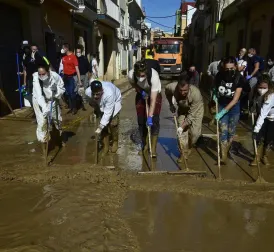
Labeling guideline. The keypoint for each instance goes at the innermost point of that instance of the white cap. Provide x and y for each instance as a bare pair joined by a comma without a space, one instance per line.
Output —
25,42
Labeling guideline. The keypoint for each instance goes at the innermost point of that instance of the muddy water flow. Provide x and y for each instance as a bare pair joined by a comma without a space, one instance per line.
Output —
176,222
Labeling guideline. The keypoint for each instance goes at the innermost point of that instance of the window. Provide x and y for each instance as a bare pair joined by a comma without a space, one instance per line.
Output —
122,18
227,49
255,40
240,40
168,48
271,41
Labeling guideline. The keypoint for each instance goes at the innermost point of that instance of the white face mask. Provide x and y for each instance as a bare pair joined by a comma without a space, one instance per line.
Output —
141,79
250,55
262,91
78,54
43,78
63,51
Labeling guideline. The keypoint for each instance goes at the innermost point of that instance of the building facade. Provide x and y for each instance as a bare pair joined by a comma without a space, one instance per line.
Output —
249,24
111,29
46,23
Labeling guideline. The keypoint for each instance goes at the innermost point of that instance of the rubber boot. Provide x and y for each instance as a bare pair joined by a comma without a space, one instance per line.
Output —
154,141
144,146
264,159
260,152
105,145
70,105
74,108
115,138
225,146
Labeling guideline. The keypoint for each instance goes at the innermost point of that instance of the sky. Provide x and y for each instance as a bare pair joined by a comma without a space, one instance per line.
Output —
162,8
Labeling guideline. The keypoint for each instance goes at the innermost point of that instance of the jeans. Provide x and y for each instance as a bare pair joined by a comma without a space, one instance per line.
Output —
228,122
70,91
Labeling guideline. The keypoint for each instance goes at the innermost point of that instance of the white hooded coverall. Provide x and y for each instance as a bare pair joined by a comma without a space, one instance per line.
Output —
53,87
110,103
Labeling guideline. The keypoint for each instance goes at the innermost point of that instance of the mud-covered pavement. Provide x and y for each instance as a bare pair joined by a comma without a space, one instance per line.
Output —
74,205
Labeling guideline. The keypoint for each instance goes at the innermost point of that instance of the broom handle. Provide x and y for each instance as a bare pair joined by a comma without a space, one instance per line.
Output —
148,131
218,142
180,142
256,149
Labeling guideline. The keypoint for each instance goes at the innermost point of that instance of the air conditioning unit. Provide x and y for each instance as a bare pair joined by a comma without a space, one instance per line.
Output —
126,33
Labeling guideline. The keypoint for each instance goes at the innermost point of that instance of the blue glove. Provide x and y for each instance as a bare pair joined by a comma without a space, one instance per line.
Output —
149,121
221,114
248,77
144,94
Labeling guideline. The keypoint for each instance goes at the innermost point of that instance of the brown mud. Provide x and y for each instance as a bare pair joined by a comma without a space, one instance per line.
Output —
75,205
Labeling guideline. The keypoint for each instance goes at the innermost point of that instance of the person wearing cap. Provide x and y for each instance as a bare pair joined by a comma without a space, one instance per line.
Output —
147,84
106,99
48,88
32,59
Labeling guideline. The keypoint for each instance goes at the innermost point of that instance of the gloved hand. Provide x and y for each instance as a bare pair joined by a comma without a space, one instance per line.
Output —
248,77
149,121
46,113
214,98
255,135
144,95
180,131
98,131
172,108
220,114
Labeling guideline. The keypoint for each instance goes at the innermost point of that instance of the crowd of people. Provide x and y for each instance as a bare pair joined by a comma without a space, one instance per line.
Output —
240,86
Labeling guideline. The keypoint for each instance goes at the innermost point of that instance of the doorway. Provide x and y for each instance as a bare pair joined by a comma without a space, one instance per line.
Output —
11,38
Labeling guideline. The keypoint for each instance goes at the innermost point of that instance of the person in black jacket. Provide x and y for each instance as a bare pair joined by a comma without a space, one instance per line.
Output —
151,63
84,68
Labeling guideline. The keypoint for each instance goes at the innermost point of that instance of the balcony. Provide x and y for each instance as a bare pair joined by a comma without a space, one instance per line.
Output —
109,13
77,4
123,32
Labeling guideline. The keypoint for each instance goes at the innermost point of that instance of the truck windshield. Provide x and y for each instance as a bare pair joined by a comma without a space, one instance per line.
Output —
168,48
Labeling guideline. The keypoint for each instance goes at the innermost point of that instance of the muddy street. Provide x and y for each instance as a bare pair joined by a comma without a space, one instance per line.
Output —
75,205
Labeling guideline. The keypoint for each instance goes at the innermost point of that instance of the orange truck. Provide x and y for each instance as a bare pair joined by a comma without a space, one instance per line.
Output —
169,52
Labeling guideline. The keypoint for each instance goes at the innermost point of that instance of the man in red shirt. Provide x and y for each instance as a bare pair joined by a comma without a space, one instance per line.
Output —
71,70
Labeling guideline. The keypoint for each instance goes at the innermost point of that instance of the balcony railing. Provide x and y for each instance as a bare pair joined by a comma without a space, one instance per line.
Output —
79,4
91,4
112,10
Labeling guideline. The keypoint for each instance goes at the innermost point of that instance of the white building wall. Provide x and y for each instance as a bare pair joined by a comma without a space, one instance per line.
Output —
190,11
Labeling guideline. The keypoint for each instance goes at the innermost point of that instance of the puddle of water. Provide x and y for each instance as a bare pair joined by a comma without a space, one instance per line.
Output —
71,216
177,222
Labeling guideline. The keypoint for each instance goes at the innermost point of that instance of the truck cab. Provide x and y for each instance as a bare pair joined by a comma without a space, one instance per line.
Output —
168,52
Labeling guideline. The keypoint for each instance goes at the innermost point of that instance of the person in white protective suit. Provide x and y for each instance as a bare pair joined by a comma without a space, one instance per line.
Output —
106,100
48,88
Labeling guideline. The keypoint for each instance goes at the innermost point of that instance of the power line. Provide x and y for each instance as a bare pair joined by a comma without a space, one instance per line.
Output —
163,17
160,24
172,15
